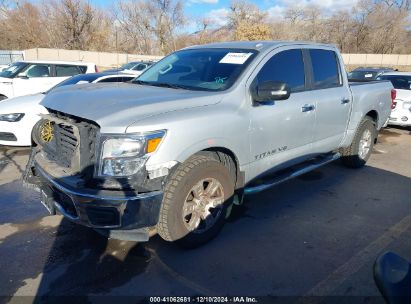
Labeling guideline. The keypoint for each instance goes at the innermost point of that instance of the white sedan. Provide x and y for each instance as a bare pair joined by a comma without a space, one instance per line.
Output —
19,115
401,112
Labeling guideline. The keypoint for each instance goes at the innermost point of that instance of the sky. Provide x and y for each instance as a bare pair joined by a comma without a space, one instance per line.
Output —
217,10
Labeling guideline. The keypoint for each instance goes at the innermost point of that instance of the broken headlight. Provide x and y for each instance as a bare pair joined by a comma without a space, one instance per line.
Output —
124,155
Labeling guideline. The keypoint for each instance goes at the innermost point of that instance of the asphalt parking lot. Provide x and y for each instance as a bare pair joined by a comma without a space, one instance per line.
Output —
317,235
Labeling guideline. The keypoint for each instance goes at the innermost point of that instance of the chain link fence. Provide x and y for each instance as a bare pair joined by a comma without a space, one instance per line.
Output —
7,57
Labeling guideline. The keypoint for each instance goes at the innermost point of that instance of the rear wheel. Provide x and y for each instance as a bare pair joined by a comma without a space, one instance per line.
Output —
358,153
196,201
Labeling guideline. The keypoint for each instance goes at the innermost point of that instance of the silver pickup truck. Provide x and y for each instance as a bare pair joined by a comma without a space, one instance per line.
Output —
180,145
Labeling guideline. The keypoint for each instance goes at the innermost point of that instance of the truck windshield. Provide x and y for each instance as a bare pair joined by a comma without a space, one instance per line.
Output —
13,69
399,82
198,69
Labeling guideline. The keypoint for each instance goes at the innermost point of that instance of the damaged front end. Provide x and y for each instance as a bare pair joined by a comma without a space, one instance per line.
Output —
81,178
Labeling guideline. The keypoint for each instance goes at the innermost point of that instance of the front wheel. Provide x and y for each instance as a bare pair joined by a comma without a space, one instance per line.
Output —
358,153
195,203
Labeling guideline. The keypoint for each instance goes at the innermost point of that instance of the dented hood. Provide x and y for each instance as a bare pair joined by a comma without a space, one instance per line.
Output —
115,106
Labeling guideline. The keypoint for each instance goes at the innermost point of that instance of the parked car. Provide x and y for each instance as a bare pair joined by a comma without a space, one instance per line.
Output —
366,74
182,143
401,110
18,115
31,77
135,67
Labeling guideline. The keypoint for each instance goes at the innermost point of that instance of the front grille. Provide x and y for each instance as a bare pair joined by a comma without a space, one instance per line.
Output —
66,144
7,136
73,144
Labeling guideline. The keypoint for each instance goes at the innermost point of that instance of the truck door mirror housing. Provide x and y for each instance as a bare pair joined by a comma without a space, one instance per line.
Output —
22,76
271,90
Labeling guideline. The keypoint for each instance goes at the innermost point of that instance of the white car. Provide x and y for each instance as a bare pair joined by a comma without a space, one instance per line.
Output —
30,77
19,115
136,67
401,111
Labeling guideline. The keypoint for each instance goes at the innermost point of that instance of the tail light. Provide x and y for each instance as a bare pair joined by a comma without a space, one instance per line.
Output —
97,71
393,96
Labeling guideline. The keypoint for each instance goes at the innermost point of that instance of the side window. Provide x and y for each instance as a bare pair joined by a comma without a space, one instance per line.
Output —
286,66
66,70
38,70
140,67
325,69
111,79
82,68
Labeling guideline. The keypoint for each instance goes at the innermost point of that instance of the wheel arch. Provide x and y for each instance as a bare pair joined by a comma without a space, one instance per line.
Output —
374,115
229,159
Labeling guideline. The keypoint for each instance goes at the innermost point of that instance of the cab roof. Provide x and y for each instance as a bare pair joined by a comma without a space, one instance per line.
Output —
257,45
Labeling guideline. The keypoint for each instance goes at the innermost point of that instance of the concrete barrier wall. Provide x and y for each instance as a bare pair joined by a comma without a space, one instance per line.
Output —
103,59
377,59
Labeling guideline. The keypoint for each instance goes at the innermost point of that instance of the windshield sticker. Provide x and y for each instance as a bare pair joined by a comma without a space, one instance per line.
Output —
220,80
235,58
368,75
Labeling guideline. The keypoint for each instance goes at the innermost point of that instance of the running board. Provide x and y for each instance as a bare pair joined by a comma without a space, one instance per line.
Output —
311,165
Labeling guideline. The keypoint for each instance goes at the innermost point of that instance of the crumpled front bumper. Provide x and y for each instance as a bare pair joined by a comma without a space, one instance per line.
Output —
111,210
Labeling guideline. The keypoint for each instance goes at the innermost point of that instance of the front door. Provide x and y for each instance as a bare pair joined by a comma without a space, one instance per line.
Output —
281,132
36,78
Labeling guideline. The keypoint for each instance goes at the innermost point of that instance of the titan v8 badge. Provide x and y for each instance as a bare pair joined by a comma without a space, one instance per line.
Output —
269,153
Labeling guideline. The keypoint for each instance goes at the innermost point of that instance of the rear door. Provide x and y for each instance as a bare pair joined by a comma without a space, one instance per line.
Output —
64,71
332,97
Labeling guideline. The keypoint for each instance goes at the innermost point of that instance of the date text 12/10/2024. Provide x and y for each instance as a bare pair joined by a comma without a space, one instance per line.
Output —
203,299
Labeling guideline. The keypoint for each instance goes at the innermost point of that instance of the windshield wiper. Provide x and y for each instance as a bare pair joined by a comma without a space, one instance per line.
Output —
141,82
163,84
170,85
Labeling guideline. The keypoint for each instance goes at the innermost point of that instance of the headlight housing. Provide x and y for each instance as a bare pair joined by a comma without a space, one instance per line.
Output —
13,117
124,155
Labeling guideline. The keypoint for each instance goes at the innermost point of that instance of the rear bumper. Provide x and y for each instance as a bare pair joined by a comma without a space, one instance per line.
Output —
401,115
109,210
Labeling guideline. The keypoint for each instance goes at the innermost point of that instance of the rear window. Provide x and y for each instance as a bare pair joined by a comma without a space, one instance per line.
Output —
140,67
362,75
400,82
117,79
325,69
66,70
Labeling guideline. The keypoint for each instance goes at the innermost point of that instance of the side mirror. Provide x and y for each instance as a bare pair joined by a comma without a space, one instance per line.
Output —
271,90
22,76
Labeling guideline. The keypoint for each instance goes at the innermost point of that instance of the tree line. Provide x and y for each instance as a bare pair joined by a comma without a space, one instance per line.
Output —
157,27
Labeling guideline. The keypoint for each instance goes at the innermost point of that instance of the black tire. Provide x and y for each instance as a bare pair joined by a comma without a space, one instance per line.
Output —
2,97
171,225
350,155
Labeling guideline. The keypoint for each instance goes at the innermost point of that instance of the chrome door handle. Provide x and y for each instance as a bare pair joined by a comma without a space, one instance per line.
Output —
307,108
345,100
